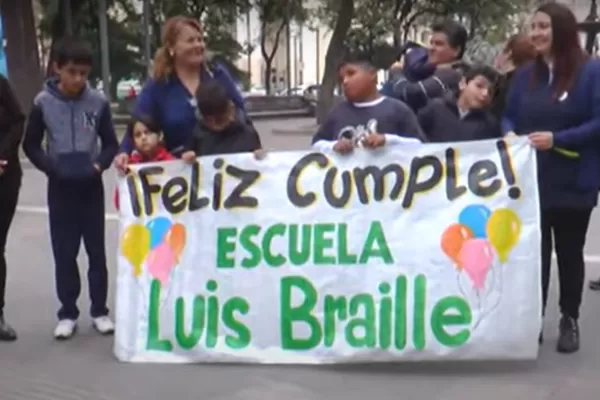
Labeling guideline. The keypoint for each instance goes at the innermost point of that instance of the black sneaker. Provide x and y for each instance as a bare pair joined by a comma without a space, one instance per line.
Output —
568,339
7,333
595,284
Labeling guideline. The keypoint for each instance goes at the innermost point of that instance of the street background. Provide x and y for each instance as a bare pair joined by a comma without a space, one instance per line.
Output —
37,367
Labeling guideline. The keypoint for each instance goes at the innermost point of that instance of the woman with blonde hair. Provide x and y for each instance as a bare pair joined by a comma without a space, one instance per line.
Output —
179,68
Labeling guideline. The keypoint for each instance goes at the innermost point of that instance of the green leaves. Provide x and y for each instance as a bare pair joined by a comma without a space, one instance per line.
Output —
127,29
376,25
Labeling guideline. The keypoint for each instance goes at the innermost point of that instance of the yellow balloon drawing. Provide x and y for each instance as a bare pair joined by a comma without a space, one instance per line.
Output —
503,230
135,244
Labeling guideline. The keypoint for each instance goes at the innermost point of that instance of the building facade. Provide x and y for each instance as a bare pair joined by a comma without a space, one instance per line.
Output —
307,48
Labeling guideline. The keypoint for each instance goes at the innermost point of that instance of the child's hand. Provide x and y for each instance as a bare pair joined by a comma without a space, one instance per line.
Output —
189,157
343,146
260,154
373,141
3,164
121,161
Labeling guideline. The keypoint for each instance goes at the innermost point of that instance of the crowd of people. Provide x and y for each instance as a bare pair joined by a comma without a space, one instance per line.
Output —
543,86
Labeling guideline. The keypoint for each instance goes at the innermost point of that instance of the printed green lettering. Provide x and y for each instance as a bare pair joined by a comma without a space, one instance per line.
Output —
364,320
302,313
442,316
320,244
154,342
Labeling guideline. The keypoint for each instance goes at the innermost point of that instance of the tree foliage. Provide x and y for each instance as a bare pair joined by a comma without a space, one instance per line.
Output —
379,30
126,29
125,43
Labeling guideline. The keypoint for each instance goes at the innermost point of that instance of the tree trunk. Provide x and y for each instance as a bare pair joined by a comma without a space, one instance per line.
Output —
268,57
335,53
268,72
22,58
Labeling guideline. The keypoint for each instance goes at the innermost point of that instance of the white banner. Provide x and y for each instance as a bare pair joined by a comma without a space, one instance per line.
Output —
422,253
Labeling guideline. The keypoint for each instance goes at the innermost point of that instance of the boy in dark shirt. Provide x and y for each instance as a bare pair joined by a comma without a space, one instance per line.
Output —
74,118
466,116
366,118
222,128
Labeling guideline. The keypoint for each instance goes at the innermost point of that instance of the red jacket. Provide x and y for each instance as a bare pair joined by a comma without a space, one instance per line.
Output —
136,158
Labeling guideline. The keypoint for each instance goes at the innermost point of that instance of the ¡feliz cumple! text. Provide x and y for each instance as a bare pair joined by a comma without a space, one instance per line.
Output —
370,183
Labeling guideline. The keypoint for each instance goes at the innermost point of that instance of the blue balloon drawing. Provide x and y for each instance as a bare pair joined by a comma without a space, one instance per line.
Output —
158,228
475,218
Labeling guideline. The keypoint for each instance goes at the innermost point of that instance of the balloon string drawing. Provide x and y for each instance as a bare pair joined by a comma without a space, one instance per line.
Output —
157,246
479,246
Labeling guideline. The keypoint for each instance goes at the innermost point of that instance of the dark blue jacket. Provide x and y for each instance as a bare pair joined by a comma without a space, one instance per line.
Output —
173,108
565,181
416,64
418,93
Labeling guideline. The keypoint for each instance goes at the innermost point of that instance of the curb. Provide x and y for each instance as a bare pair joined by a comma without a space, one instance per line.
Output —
307,130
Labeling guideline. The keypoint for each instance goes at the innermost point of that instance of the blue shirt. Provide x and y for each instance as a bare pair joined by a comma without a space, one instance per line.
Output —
574,119
171,105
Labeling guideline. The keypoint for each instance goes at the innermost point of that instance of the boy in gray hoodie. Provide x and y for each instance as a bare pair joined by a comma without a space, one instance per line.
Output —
74,118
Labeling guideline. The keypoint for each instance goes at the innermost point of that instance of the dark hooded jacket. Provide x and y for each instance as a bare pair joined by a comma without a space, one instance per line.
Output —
239,137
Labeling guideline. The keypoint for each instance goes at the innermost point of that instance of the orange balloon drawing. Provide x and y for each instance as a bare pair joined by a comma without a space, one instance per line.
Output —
175,239
452,242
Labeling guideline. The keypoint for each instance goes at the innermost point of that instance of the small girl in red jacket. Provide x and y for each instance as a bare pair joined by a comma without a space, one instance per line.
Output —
148,144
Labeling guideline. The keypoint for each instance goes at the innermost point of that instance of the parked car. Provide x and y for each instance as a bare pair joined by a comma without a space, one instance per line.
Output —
311,93
255,91
295,91
126,89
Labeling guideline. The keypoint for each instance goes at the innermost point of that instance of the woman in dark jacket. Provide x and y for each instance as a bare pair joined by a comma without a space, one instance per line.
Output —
12,120
555,101
517,52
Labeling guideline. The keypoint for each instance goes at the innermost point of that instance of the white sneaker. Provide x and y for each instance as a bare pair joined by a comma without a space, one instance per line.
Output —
104,325
65,329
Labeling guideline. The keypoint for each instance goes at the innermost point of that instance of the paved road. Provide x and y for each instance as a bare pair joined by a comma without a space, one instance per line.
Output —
38,368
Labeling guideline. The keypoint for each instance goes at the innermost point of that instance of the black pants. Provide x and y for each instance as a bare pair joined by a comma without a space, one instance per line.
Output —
569,228
9,196
76,212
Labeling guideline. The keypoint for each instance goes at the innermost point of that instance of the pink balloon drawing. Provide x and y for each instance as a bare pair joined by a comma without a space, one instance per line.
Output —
476,257
160,261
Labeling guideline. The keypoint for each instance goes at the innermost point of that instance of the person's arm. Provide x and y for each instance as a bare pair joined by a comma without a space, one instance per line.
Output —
108,138
11,135
254,137
146,105
227,81
417,94
325,138
194,143
589,131
512,102
425,118
32,142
